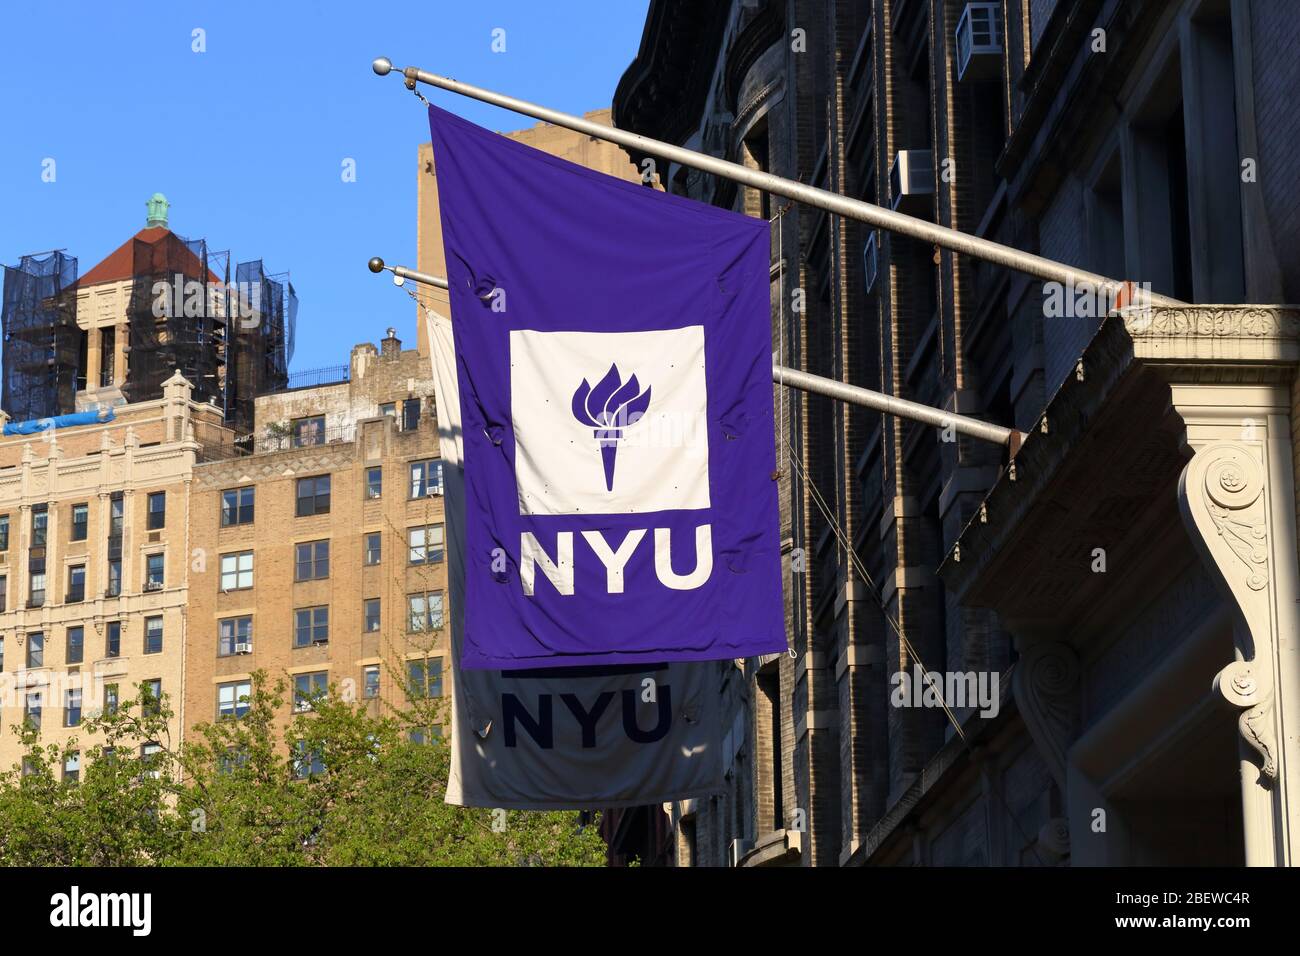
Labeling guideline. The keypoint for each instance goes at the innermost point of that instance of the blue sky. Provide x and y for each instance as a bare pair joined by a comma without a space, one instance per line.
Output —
247,139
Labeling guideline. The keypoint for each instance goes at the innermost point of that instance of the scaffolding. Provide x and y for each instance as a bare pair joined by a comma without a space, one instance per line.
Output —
44,357
177,318
262,334
231,341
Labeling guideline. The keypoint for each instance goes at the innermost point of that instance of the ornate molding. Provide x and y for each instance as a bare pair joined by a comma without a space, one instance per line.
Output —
1213,321
1240,688
1221,496
1046,685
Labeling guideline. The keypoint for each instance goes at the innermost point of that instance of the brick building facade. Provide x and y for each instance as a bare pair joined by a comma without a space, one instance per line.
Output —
1141,140
324,550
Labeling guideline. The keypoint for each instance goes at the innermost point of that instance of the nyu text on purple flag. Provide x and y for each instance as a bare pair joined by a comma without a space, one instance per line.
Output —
614,364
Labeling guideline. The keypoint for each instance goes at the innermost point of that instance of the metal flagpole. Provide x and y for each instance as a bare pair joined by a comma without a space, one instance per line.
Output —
817,385
1012,258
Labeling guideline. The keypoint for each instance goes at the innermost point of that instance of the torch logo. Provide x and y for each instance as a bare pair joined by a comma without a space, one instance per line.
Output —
608,409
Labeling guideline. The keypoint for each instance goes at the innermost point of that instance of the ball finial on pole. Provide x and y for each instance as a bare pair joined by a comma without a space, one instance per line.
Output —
376,264
382,66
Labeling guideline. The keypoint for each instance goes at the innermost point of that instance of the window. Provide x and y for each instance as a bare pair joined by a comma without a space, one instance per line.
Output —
153,635
235,758
151,697
110,698
232,631
389,409
374,482
36,649
308,688
426,735
426,611
107,355
410,414
76,644
374,548
114,578
157,511
36,582
151,756
306,763
76,583
72,766
233,699
4,532
80,522
311,561
4,592
311,625
32,709
113,639
40,524
313,496
426,478
2,653
72,708
309,431
116,511
153,572
236,506
372,614
370,682
426,544
424,677
237,571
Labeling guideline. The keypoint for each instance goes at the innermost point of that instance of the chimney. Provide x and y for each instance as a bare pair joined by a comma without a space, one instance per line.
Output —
391,347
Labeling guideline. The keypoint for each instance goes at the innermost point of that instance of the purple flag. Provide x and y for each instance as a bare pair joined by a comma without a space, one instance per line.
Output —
614,363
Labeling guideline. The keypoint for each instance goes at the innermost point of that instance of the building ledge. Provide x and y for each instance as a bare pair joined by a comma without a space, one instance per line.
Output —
777,848
1104,452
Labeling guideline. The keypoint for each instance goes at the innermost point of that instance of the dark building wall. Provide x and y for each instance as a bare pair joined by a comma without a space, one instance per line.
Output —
1055,145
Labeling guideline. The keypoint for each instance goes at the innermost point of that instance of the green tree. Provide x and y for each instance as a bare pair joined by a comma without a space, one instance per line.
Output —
333,785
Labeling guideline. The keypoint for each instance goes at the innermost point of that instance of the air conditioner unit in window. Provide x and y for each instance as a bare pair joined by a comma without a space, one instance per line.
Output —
911,178
870,260
737,851
320,640
244,647
153,586
979,42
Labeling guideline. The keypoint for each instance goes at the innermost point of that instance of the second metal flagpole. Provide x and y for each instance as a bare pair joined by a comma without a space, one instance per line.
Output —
817,385
976,246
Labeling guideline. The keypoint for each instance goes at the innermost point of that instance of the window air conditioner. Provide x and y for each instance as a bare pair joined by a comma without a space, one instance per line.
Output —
911,177
244,647
979,42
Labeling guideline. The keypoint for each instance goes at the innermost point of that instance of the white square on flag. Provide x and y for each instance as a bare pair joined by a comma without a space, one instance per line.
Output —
565,465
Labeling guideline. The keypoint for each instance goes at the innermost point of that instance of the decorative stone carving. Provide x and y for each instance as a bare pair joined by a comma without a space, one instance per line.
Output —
1213,321
1046,684
1221,495
1239,687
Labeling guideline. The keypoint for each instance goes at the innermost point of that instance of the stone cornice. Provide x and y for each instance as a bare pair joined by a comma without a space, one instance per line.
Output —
1242,344
662,92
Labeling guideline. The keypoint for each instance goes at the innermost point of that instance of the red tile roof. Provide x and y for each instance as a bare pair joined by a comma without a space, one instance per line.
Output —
168,254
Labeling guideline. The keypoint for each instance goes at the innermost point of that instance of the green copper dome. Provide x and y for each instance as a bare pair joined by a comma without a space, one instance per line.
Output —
157,205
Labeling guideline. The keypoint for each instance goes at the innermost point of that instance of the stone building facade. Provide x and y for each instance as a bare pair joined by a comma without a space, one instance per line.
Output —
325,553
1124,583
94,565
